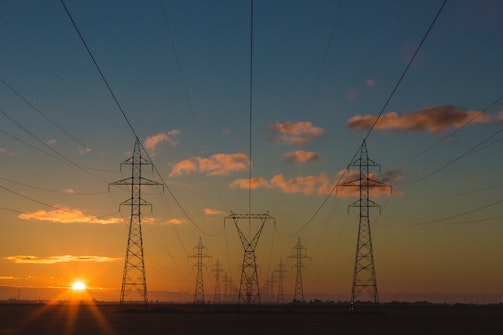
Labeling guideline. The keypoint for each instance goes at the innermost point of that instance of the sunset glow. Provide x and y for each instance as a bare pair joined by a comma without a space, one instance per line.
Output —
79,286
226,128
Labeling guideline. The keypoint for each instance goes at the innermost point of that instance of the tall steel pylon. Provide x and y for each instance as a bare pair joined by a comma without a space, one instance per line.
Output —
299,255
134,284
200,254
249,292
364,275
280,298
217,297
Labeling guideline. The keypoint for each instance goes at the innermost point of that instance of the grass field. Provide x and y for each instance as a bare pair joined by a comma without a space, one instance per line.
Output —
85,318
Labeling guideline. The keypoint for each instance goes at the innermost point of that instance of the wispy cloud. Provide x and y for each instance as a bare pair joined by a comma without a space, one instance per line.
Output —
245,183
307,185
433,119
6,152
211,212
301,156
67,215
175,221
152,142
8,278
294,133
215,165
24,259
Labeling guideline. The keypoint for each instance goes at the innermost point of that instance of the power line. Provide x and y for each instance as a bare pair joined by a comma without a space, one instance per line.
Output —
377,119
406,68
250,109
109,88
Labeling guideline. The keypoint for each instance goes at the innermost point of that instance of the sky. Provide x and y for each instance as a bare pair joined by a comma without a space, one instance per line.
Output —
322,74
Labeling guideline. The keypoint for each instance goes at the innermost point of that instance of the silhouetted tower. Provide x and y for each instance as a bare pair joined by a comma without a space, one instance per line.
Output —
134,285
364,276
217,297
280,299
200,254
299,255
249,292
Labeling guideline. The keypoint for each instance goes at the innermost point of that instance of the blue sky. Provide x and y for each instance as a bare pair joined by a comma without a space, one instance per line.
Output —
316,66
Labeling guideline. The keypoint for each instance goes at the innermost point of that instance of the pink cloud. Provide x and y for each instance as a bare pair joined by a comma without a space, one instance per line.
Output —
67,215
152,142
245,183
500,116
211,211
307,185
301,156
370,82
295,133
215,165
433,119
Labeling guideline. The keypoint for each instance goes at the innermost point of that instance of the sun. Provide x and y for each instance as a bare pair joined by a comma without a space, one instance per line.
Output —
78,286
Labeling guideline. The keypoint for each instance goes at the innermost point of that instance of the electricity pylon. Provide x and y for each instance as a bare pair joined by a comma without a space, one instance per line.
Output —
249,292
217,297
364,276
200,254
134,284
299,255
281,293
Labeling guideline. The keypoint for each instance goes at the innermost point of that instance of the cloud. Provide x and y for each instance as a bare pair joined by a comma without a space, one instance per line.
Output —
21,259
7,152
307,185
370,82
301,156
152,142
174,221
85,150
7,278
211,211
433,119
215,165
51,142
294,133
500,116
245,183
67,215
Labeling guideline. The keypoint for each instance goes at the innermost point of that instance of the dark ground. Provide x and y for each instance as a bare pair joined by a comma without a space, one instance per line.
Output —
90,319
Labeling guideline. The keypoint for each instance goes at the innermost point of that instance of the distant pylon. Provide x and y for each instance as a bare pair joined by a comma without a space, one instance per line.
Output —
364,276
134,284
249,292
217,297
299,255
280,299
200,254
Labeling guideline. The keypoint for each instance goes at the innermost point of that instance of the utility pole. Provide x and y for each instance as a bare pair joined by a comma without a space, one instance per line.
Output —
281,293
364,276
134,284
217,298
249,292
299,255
200,254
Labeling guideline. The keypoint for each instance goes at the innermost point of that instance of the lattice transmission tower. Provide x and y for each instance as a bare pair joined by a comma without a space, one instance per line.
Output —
249,292
200,255
134,285
280,298
364,275
217,296
299,255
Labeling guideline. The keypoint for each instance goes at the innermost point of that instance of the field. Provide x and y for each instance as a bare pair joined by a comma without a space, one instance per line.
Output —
96,319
